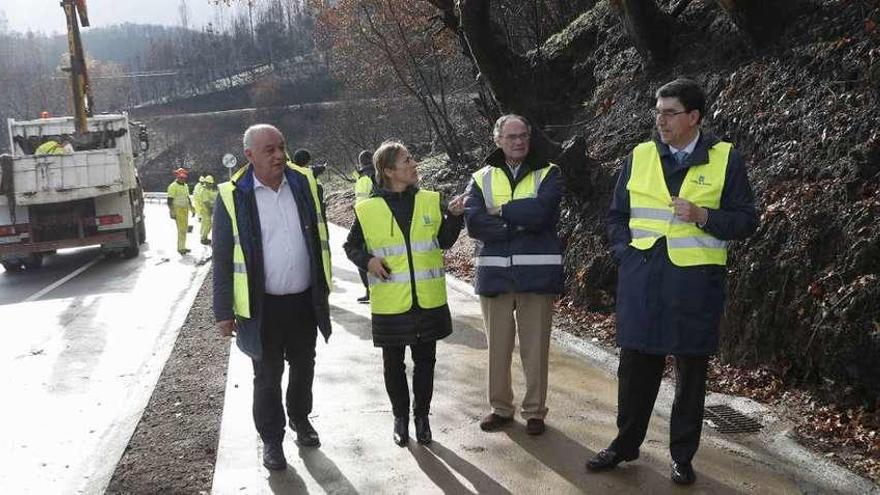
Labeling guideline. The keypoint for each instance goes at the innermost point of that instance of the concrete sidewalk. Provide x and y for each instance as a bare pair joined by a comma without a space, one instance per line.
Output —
353,416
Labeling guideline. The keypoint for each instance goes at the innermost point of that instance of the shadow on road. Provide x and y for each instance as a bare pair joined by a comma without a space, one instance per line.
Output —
325,472
353,323
567,458
467,331
287,481
438,463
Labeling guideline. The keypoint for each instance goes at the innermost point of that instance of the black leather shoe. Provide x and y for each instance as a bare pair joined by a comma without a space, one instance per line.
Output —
423,430
273,456
306,436
401,431
535,426
364,299
682,473
494,422
607,459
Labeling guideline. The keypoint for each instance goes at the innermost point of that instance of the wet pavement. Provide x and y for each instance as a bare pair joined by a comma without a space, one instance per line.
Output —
353,416
80,361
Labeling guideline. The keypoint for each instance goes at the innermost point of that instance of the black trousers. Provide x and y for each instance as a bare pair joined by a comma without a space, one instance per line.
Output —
639,377
363,274
290,332
424,357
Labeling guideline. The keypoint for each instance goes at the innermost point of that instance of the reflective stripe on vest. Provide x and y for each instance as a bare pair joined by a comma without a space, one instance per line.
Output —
394,294
495,185
240,289
519,260
651,213
362,188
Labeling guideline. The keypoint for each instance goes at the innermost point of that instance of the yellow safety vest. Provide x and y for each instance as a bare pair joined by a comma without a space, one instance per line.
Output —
652,215
50,147
179,193
385,239
495,185
205,198
240,289
363,188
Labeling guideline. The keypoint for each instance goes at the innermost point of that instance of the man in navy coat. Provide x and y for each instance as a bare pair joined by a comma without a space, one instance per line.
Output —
678,201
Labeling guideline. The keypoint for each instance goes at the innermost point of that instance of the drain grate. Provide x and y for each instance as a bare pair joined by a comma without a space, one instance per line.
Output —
725,419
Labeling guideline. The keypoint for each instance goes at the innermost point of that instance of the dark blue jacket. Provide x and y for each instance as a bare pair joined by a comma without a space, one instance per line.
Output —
249,329
663,308
525,226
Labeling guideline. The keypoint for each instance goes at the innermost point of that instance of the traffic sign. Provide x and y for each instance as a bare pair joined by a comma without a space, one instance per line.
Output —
229,160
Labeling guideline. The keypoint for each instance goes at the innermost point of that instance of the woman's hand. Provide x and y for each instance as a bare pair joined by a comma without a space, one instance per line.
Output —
456,206
378,268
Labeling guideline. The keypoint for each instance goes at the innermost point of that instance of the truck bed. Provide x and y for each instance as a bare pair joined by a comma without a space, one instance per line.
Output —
57,178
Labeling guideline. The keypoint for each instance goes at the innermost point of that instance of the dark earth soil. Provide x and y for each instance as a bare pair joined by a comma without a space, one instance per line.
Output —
174,448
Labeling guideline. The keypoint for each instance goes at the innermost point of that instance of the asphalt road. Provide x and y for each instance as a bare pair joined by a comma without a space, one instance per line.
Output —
84,340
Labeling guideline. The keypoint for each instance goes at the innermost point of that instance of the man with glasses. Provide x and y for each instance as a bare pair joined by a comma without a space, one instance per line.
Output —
512,209
679,200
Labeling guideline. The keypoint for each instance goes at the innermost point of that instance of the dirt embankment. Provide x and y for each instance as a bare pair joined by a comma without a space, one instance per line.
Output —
804,291
174,448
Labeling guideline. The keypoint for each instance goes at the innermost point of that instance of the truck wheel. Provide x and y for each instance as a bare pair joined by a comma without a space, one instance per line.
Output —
142,232
11,266
134,244
34,261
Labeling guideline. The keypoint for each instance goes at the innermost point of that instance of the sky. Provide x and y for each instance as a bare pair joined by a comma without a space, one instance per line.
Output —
47,16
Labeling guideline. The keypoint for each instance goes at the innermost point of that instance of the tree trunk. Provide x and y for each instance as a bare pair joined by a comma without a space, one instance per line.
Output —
649,28
761,20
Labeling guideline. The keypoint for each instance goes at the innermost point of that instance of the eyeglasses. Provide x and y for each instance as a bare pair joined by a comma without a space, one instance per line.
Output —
666,114
516,137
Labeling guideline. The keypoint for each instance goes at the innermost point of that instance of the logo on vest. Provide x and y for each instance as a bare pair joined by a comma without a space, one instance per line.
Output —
701,181
427,219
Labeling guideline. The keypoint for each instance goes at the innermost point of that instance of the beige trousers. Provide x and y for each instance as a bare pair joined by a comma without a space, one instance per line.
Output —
530,316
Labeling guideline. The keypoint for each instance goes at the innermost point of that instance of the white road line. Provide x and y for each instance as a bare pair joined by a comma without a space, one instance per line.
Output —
58,283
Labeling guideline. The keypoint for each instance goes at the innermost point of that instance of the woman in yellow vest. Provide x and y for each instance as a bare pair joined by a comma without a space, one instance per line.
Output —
398,237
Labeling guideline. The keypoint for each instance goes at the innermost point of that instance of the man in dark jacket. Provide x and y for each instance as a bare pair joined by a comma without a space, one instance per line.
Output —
512,209
271,282
678,201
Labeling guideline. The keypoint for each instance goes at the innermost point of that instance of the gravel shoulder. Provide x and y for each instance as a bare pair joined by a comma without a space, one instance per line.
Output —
174,448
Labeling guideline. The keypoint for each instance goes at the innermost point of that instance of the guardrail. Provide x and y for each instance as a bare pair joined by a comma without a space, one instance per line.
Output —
155,197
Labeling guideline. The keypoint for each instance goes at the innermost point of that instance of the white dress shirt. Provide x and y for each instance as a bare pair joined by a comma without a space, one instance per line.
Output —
286,262
687,149
514,169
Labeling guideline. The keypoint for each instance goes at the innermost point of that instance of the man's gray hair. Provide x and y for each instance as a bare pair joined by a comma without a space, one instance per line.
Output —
248,138
499,124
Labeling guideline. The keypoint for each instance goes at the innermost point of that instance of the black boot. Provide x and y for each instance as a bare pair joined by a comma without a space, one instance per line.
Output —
423,430
273,456
401,431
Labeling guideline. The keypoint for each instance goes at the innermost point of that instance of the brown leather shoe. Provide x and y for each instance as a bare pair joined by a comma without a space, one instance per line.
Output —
494,422
535,426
